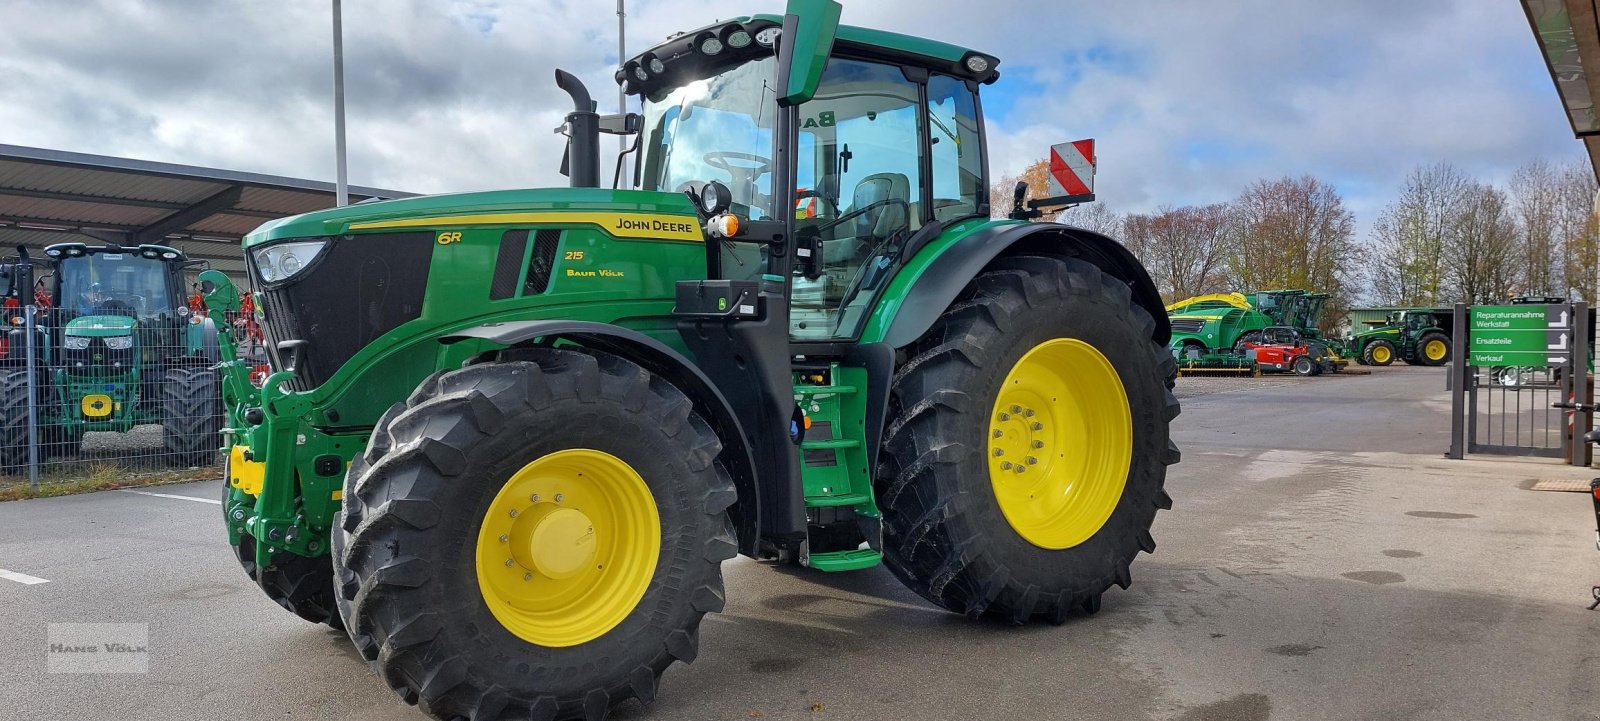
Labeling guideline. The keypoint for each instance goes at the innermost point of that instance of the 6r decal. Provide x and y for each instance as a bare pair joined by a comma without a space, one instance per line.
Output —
449,237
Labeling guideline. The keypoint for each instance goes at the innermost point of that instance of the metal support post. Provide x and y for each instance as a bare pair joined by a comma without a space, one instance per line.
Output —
31,351
1578,372
1458,383
341,185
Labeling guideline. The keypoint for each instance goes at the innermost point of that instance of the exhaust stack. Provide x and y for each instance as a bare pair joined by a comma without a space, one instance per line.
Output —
582,162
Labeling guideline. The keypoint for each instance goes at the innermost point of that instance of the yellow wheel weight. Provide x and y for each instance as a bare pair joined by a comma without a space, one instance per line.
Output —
568,547
1380,354
1060,443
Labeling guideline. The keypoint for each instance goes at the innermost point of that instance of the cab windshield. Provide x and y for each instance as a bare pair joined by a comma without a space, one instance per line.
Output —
114,284
719,128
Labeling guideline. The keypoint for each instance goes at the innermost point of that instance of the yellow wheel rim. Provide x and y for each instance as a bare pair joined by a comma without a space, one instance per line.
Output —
1436,349
568,547
1380,354
1060,443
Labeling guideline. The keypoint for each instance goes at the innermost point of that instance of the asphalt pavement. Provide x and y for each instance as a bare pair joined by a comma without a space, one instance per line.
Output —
1322,562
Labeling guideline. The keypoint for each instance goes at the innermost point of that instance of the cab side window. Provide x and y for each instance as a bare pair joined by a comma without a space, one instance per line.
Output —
957,150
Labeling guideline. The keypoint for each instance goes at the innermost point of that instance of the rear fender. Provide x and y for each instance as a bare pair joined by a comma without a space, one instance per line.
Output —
934,277
662,360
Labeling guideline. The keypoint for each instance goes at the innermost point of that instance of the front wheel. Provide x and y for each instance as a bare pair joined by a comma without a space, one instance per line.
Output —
534,538
1028,451
1304,366
1378,353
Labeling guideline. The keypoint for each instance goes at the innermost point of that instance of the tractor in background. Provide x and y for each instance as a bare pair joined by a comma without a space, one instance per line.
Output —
120,348
1418,336
510,437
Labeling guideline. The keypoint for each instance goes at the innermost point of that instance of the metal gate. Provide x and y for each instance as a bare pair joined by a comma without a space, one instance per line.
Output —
1513,386
1510,411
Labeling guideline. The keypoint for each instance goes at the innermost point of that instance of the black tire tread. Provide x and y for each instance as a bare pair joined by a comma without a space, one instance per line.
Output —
415,450
920,545
191,414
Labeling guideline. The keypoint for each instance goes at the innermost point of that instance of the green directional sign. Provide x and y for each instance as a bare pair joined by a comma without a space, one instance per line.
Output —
1519,335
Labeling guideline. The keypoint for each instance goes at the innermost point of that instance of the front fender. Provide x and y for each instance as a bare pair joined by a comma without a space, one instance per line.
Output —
662,360
933,277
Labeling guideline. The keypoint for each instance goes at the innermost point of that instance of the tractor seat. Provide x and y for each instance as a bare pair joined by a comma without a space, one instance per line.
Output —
867,229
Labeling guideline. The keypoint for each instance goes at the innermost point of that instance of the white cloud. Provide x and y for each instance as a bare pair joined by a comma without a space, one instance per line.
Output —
1189,100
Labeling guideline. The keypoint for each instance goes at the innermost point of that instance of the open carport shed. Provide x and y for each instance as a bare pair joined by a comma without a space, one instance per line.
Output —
53,196
1568,32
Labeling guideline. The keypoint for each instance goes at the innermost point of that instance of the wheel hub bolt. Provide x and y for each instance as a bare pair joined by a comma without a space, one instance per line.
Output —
1006,465
1020,469
1032,461
558,498
514,513
510,562
1028,413
998,452
1038,444
1038,426
527,577
534,498
1016,408
998,433
1005,416
504,537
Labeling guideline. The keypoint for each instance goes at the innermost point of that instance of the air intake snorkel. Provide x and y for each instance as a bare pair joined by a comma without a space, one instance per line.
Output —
581,164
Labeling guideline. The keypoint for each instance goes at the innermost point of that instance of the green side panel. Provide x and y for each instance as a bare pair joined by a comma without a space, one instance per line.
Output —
811,45
100,326
893,297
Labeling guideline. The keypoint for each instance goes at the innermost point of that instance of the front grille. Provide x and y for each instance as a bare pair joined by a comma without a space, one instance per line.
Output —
360,288
1187,325
98,359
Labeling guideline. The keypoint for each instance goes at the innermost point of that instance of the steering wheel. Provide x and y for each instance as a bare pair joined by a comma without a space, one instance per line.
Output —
833,205
113,306
719,159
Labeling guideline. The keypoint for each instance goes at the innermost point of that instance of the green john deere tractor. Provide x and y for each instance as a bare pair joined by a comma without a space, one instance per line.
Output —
510,437
120,348
1418,336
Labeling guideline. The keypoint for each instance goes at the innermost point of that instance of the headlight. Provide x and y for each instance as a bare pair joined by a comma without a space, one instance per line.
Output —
284,260
76,342
119,342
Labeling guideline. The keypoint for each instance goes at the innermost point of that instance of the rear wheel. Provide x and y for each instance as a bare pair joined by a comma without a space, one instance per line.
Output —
1029,445
191,415
1433,349
536,538
1378,353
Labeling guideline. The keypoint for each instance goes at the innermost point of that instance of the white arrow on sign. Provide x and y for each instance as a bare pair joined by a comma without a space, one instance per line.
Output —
1560,324
1558,346
1557,360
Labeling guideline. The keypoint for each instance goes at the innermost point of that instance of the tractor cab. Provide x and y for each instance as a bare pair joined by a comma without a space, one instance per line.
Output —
888,144
118,306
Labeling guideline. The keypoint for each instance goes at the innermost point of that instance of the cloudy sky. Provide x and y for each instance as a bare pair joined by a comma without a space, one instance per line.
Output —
1189,100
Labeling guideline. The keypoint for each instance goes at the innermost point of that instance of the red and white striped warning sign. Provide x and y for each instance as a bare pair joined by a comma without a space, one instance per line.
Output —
1072,168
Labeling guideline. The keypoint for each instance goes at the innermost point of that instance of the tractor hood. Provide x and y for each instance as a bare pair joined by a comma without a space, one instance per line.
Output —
469,209
101,326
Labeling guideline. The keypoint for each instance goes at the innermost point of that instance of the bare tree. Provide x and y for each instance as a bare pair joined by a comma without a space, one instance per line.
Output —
1096,216
1577,231
1294,233
1536,192
1410,235
1480,243
1184,249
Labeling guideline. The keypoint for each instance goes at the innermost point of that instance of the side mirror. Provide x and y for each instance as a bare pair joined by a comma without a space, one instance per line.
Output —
1019,193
